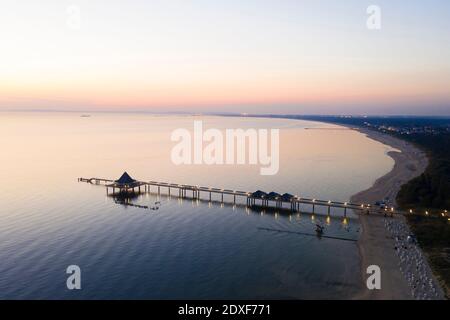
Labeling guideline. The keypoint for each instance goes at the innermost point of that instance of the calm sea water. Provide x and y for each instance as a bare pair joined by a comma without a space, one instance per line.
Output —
186,249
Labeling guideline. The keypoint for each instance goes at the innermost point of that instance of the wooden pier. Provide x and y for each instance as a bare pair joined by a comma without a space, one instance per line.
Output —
258,198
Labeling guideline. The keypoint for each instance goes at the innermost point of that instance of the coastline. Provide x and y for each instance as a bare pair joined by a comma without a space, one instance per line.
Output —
376,244
380,242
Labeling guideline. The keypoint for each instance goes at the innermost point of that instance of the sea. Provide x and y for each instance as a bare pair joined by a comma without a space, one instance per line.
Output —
166,247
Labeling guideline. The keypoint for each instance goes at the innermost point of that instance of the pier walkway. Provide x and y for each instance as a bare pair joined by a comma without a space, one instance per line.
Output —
258,198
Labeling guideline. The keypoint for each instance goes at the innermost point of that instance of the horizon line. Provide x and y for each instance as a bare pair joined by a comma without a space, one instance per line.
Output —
219,113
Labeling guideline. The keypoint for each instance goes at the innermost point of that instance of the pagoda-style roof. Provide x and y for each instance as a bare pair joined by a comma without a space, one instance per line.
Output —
125,182
259,194
273,196
287,197
125,179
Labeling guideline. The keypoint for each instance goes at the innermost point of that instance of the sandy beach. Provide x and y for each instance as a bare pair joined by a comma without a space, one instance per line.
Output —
376,244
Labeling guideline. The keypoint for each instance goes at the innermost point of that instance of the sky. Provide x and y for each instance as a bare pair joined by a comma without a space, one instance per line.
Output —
256,56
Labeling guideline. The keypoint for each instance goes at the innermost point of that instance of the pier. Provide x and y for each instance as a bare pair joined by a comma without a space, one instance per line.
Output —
258,198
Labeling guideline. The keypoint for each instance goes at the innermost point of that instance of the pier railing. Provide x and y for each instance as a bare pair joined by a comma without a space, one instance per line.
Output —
196,192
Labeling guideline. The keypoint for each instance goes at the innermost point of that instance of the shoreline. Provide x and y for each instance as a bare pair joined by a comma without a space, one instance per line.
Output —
376,244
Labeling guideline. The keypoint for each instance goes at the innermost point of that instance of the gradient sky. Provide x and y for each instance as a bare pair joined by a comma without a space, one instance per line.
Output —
279,56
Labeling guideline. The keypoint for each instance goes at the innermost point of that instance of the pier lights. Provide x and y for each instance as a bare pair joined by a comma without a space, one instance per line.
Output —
426,212
410,211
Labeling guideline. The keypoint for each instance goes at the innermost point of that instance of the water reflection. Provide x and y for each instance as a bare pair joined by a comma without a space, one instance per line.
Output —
328,223
183,250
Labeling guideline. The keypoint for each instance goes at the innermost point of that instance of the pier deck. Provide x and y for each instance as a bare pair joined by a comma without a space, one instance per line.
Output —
195,192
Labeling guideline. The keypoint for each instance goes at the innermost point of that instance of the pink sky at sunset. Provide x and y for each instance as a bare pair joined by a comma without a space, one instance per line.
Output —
291,57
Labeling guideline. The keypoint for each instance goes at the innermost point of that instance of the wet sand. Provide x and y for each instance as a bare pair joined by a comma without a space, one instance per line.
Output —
376,244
